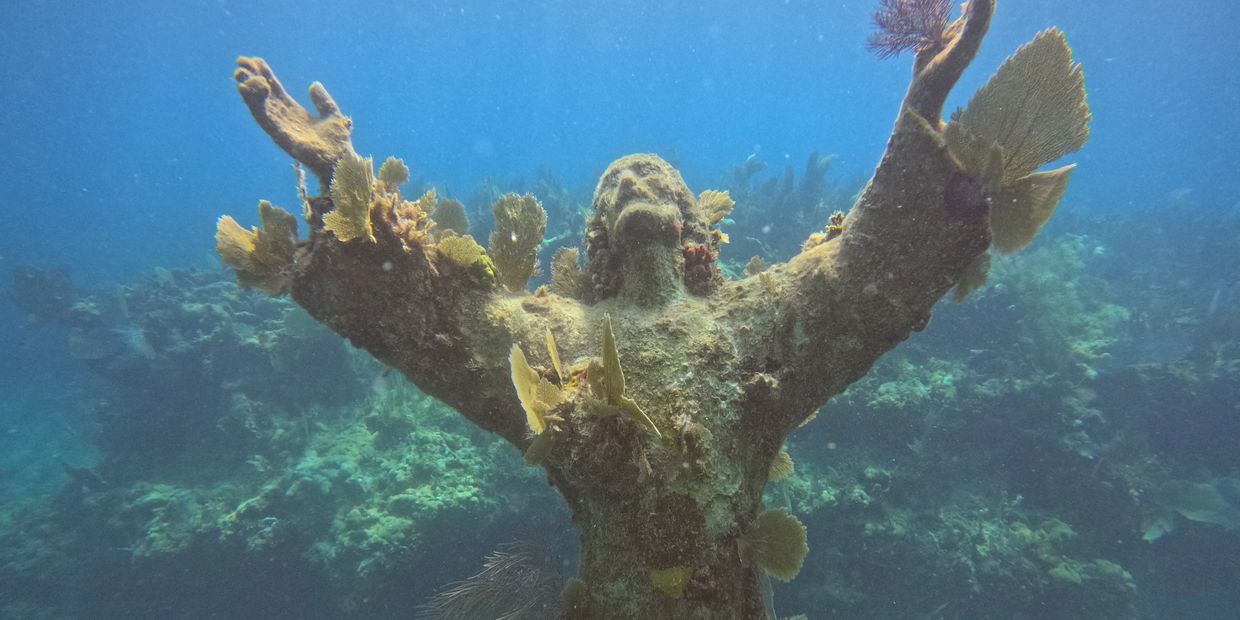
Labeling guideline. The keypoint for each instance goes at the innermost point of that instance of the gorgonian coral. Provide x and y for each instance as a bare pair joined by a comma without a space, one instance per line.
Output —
905,25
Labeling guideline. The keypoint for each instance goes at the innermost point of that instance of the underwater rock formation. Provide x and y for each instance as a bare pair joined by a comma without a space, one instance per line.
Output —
664,394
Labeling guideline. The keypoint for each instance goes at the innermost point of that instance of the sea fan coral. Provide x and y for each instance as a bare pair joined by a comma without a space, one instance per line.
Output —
450,217
775,541
261,257
520,223
909,25
351,191
393,173
567,278
1031,112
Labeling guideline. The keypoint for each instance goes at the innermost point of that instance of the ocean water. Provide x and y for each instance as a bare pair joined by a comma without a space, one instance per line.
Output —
1063,444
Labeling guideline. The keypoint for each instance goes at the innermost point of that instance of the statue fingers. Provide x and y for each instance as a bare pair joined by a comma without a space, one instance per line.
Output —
323,101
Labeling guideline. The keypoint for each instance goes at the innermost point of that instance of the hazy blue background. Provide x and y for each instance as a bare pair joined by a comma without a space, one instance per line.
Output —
124,137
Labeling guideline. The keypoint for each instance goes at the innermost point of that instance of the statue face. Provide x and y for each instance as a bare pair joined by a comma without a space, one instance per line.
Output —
643,202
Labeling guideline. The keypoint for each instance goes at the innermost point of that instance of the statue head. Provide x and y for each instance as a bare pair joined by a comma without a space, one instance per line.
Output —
645,223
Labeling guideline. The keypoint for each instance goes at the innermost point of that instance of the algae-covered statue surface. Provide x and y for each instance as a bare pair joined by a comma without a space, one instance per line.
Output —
656,393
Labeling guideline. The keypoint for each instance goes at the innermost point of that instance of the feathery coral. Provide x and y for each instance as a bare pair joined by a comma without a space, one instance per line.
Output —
908,25
777,542
567,278
262,258
411,220
450,215
715,205
351,192
782,466
516,583
520,222
393,173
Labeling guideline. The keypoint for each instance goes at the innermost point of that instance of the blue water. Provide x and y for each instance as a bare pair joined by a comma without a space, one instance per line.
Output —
124,140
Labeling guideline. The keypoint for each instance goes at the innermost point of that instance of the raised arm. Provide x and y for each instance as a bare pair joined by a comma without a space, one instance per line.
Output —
939,197
425,300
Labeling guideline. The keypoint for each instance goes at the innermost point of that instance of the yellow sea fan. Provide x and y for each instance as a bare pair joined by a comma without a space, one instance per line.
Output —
1031,112
613,381
351,191
777,542
520,223
537,395
262,258
781,467
1033,107
466,253
982,160
972,278
539,449
715,205
1023,207
554,352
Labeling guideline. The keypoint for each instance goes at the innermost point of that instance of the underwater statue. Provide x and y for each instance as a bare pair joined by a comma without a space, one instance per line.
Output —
656,393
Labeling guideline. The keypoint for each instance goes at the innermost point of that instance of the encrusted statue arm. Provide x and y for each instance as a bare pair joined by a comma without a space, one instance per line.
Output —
942,193
317,142
424,299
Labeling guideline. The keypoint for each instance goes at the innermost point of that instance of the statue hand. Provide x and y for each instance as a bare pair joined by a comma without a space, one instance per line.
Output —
318,142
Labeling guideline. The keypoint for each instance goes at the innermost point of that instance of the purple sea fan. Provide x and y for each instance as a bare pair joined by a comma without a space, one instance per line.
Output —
905,25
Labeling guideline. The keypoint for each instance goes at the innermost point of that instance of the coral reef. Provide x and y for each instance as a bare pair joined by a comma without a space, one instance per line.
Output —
803,203
44,295
188,360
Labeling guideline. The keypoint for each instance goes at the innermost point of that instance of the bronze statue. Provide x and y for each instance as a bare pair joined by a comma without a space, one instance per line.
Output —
657,394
